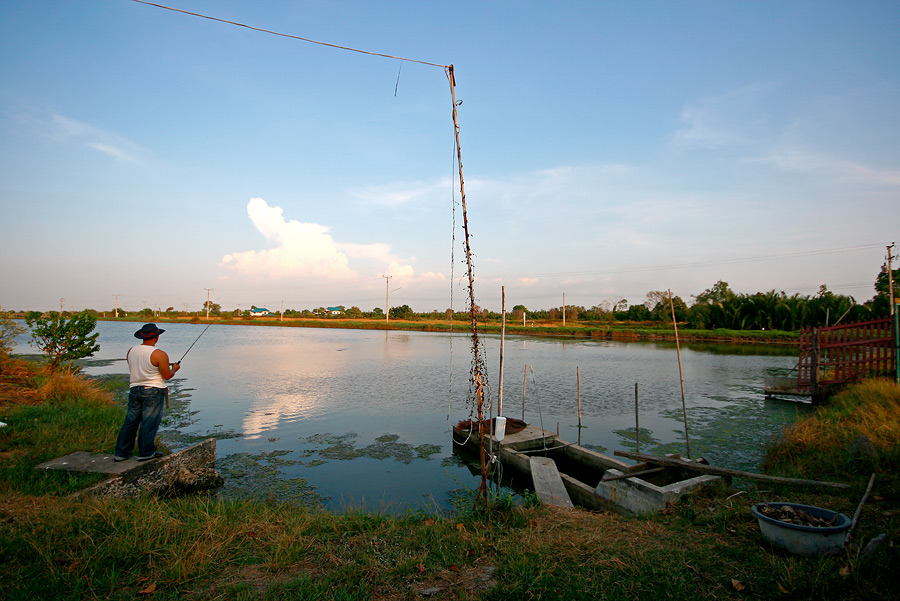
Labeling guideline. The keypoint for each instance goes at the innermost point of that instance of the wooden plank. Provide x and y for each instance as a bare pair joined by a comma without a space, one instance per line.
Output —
548,484
655,470
721,471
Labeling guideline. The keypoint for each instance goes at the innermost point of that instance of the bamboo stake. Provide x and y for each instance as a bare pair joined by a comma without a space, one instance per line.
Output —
578,378
859,510
637,422
687,440
524,384
502,343
721,471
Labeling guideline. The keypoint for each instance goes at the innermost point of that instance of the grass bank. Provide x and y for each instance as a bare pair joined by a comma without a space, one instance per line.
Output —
56,546
583,330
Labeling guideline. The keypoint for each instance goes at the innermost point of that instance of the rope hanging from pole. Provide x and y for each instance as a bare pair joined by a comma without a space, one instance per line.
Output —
478,379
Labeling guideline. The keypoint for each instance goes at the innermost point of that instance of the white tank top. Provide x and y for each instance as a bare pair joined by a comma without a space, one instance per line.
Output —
144,373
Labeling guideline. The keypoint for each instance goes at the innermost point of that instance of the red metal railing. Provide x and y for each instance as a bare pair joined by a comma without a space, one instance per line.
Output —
846,353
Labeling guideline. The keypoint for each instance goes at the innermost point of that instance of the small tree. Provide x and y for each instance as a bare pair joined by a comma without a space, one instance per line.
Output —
63,340
8,332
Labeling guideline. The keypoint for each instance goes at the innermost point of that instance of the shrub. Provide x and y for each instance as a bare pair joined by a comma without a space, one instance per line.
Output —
63,340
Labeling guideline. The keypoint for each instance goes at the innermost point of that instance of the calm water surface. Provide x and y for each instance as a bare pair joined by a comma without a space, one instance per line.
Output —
354,418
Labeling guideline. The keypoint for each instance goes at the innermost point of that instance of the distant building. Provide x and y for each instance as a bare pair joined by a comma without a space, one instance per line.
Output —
259,311
334,310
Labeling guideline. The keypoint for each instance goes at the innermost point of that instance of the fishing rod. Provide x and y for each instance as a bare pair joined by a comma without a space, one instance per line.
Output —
192,345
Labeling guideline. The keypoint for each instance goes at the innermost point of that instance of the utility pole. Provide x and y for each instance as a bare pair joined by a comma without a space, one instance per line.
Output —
890,278
61,301
564,309
208,290
282,309
387,295
117,304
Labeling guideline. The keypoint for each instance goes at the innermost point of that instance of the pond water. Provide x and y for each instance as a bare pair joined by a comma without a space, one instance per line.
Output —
361,418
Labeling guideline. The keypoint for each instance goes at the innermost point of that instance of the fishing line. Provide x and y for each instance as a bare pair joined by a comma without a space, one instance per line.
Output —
192,345
538,399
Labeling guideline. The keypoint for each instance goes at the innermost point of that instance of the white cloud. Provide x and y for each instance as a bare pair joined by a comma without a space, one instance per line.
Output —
400,193
834,168
722,120
110,144
814,138
298,249
308,250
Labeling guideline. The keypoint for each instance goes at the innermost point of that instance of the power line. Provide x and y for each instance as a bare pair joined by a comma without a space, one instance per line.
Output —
287,35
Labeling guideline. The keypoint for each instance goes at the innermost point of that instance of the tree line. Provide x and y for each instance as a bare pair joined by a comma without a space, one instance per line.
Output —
720,307
717,307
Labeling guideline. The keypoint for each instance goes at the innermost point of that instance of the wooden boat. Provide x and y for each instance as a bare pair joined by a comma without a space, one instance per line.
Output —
585,478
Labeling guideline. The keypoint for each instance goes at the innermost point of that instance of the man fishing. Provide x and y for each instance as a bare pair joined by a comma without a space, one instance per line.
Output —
149,369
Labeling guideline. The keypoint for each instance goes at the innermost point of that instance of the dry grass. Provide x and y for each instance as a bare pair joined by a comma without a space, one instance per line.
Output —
855,433
871,409
17,386
66,385
26,383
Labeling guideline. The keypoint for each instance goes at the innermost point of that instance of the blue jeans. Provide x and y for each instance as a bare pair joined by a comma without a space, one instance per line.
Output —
145,405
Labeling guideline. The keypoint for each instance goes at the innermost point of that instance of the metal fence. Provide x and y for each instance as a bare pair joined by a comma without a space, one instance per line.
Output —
846,353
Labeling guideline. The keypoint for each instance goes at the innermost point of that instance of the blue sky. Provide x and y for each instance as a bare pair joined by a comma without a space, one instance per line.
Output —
609,149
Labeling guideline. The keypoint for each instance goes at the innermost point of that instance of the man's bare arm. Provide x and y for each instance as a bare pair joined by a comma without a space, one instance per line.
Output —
160,359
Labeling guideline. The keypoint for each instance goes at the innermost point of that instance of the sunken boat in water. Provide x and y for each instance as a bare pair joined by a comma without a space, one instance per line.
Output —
568,474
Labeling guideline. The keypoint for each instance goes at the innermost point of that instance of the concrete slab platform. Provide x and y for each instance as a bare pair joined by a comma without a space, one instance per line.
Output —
187,470
82,461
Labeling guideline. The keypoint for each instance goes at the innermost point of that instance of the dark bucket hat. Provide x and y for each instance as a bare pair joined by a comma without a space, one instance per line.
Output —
149,330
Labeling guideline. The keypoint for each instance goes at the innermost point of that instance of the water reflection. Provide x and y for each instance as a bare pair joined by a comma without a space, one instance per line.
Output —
277,395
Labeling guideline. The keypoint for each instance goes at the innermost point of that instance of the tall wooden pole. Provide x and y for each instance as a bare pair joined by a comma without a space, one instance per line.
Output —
478,377
687,440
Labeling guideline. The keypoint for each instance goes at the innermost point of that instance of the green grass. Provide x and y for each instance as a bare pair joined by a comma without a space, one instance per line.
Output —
205,548
75,415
